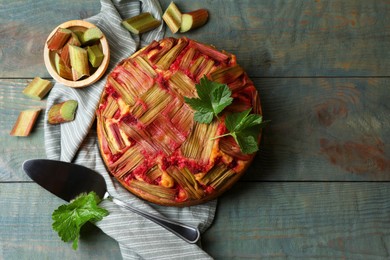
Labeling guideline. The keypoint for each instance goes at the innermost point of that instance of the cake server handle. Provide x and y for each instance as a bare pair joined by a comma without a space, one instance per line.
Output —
188,233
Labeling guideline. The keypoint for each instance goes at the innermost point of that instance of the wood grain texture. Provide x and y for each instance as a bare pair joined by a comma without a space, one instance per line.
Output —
324,129
26,232
302,221
270,38
15,150
285,38
255,220
24,28
322,69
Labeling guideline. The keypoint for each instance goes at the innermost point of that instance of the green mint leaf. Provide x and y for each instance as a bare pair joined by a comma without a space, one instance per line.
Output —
213,97
220,97
69,218
245,128
203,117
248,144
204,88
198,104
250,121
234,120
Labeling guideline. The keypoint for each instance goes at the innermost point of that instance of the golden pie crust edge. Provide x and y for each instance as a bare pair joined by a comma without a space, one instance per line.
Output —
157,200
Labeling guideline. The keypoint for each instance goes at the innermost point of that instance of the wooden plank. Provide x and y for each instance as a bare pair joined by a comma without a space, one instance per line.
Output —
324,129
26,232
15,150
25,26
299,37
302,221
270,38
255,220
321,129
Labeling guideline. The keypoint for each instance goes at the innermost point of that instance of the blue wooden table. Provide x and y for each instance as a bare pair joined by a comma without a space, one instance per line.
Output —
318,188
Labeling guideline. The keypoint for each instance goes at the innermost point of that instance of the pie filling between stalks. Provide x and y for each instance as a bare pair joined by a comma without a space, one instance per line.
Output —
147,134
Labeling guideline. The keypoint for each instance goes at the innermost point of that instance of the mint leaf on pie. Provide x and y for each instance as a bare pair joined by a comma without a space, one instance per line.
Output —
213,97
245,128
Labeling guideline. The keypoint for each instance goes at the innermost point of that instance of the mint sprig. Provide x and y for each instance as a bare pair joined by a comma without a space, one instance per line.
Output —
69,218
244,128
213,98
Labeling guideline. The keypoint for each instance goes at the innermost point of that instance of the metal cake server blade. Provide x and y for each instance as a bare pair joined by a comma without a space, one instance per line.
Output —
67,180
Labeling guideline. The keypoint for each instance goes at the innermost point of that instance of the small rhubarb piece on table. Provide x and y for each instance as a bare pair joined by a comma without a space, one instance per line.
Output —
59,39
90,35
79,62
62,112
141,23
38,88
172,17
95,55
193,20
25,122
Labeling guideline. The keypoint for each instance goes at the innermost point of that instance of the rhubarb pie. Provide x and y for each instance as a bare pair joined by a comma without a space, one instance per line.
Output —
148,137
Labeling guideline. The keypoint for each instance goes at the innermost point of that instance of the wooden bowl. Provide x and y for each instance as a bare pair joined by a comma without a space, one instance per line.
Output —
48,56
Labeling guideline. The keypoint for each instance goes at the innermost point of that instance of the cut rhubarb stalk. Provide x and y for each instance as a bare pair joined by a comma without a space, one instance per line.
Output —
216,176
62,112
115,137
227,75
155,101
186,180
91,35
193,20
181,83
155,190
38,88
141,23
187,58
124,93
166,61
59,39
211,52
111,108
25,122
156,52
73,40
183,120
79,35
131,159
145,66
95,55
79,62
172,17
62,70
154,173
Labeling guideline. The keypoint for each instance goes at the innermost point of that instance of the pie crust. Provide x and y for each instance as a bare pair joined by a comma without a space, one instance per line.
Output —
147,134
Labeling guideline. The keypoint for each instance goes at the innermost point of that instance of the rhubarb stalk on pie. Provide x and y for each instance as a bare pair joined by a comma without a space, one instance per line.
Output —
147,134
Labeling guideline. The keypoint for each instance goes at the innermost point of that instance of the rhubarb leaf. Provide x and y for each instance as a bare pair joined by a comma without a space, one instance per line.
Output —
213,98
69,218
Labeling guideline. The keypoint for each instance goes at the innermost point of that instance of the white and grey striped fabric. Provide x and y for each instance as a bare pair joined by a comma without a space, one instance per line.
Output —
76,142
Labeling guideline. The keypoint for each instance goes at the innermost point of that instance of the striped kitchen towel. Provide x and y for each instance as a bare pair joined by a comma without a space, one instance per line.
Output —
76,142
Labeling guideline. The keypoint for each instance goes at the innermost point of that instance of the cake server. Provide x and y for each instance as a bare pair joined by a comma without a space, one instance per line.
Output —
67,180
